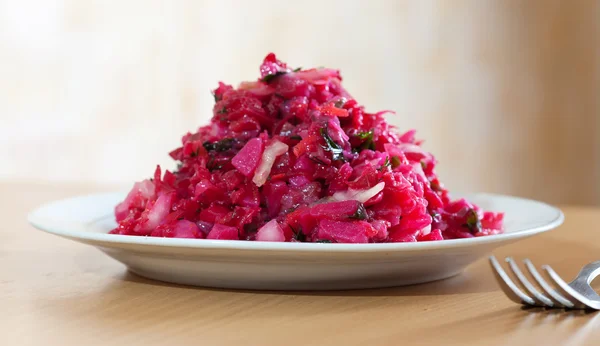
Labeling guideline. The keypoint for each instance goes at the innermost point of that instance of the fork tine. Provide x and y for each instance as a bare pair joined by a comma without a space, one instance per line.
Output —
540,299
559,300
564,288
508,286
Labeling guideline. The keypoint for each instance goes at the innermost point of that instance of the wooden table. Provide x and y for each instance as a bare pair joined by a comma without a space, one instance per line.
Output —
57,292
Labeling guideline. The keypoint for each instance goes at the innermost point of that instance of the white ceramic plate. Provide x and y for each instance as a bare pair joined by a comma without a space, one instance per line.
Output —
287,266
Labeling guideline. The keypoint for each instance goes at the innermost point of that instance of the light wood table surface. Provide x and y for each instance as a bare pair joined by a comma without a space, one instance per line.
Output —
58,292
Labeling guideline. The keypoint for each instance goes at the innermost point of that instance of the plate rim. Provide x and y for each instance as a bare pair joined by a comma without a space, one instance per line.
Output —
210,244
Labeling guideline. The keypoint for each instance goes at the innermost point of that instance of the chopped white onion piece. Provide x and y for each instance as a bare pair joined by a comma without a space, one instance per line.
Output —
359,195
417,168
412,148
146,188
271,152
159,211
271,231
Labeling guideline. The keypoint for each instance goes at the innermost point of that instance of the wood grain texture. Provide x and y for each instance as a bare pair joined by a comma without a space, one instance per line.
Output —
504,93
58,292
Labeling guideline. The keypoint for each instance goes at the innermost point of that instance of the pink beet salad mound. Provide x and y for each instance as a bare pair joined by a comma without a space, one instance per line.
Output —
293,157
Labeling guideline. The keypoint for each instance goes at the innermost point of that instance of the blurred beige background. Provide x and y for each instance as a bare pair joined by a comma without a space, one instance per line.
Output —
505,93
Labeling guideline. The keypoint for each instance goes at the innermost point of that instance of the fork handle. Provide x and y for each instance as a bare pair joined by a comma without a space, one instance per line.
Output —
588,273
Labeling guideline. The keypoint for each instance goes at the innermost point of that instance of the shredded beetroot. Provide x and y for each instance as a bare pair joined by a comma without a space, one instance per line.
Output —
293,157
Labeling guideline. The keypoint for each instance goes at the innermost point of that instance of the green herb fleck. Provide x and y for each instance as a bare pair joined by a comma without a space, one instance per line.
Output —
361,212
316,159
365,135
290,210
269,78
298,69
210,165
396,161
385,164
222,145
296,138
368,143
435,186
298,234
473,223
222,111
424,165
340,103
323,241
332,146
217,97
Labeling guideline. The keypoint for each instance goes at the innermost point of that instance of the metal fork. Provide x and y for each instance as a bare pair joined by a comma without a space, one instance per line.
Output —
577,294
